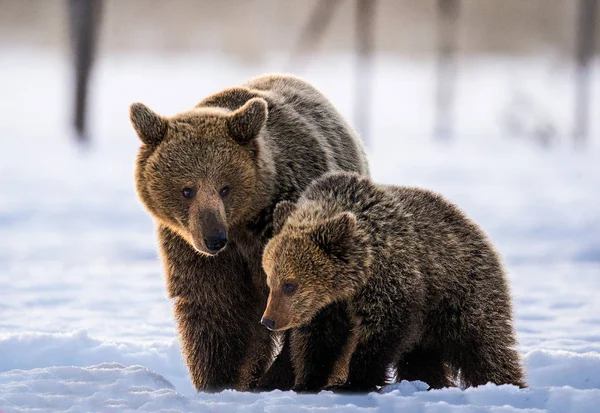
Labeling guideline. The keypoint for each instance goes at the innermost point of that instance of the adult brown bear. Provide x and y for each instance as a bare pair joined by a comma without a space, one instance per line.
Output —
211,177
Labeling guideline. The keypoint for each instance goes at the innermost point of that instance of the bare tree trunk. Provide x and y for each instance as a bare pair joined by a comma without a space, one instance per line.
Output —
312,33
365,29
84,19
586,34
447,28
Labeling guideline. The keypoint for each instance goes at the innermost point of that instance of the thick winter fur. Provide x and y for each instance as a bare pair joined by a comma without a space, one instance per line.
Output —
237,154
424,288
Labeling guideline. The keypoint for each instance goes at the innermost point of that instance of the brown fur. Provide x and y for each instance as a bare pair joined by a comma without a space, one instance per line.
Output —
424,287
266,141
339,372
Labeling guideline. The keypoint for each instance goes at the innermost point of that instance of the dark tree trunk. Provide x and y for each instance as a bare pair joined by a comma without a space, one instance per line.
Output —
586,34
312,33
365,42
84,19
447,28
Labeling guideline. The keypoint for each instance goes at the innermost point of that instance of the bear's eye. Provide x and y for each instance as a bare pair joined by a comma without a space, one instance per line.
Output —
187,192
288,288
224,191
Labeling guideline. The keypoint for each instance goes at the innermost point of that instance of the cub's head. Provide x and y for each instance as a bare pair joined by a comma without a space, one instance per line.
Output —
200,172
311,263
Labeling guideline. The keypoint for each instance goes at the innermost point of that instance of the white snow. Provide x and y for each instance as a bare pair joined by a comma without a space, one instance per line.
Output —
85,325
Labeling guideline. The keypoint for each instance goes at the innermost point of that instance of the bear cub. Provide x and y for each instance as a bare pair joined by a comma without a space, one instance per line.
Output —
424,289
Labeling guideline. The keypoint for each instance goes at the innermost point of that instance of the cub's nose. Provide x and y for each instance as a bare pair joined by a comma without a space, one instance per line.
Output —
268,322
216,242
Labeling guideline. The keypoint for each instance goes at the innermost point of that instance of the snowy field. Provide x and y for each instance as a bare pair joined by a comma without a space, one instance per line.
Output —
85,325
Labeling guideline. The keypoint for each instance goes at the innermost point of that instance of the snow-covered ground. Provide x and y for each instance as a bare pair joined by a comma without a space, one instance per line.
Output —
84,321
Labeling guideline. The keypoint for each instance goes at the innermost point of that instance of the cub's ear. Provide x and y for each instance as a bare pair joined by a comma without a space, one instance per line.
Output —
334,235
245,123
282,212
150,126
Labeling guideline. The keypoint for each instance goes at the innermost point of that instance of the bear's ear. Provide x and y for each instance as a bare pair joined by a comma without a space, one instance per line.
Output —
333,235
282,212
245,123
150,126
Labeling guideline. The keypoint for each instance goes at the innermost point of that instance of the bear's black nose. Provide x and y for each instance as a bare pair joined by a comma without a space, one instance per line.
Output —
269,323
216,242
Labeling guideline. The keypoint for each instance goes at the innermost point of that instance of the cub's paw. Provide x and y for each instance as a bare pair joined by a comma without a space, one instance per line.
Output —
305,389
348,389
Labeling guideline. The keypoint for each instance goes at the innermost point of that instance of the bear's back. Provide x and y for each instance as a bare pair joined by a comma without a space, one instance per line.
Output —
457,262
406,223
298,104
436,220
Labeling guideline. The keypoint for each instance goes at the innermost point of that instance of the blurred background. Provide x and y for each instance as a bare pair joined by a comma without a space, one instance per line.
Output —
528,64
493,103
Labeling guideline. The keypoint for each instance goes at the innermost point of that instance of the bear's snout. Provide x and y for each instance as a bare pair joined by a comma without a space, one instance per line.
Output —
215,242
268,322
208,227
277,315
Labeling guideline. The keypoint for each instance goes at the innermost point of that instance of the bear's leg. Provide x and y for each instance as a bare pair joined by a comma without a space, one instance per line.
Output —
339,375
225,347
385,332
281,373
217,308
426,365
213,355
258,355
483,363
317,346
369,363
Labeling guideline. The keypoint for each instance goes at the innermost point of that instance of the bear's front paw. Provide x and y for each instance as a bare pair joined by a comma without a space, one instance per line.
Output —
310,384
303,388
348,389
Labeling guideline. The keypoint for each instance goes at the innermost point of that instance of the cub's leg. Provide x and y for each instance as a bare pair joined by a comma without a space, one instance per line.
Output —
425,365
387,327
281,373
370,361
339,374
482,363
317,346
484,346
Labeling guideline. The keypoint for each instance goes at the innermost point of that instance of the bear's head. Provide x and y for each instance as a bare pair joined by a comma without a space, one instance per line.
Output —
310,263
203,171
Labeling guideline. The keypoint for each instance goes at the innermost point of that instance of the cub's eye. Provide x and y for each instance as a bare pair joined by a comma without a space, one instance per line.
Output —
187,192
224,191
289,288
